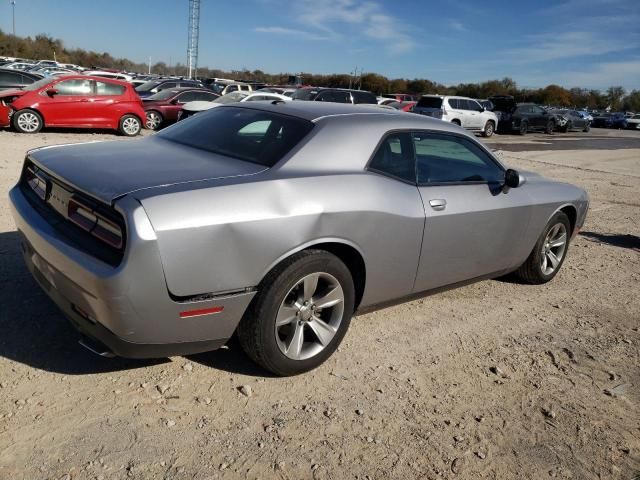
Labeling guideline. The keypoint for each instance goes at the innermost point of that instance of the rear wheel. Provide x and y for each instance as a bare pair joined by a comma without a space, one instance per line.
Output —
300,315
523,128
456,122
549,253
130,125
489,128
27,121
587,127
154,120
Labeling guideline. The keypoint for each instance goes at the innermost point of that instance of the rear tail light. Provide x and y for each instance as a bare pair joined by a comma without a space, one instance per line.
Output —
37,183
96,224
441,113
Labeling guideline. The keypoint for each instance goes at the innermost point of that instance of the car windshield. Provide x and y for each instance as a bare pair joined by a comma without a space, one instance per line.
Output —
37,85
146,86
636,117
430,102
231,97
162,95
255,136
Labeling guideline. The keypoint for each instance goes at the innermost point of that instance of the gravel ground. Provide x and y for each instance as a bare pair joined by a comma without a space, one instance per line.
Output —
495,380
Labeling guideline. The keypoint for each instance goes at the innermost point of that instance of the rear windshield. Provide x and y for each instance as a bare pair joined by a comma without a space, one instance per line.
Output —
304,94
430,102
252,135
147,86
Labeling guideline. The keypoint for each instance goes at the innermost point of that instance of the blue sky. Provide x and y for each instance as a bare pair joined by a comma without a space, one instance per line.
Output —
589,43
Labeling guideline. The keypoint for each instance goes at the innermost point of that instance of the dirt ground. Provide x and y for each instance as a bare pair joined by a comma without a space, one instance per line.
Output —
496,380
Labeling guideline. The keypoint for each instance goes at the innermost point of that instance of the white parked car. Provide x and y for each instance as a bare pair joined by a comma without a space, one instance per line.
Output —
634,122
191,108
466,112
18,66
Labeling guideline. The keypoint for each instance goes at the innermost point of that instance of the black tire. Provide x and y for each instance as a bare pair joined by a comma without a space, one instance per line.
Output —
27,121
523,128
257,329
456,122
550,127
531,270
489,128
587,127
154,120
129,125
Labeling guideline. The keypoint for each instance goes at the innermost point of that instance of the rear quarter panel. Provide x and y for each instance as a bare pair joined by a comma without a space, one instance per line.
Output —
228,237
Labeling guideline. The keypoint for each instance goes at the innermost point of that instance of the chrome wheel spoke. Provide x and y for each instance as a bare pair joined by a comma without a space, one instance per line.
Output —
295,346
558,242
286,315
323,331
553,259
329,299
310,285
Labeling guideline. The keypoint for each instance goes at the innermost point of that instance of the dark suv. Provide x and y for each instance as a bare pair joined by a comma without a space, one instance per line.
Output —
10,79
521,117
154,86
337,95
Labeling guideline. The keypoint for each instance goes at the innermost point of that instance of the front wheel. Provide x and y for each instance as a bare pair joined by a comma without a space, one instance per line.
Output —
27,121
154,120
549,253
488,129
523,128
300,315
587,127
129,126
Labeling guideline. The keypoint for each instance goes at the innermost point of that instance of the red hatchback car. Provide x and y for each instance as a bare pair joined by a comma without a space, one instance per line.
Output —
77,101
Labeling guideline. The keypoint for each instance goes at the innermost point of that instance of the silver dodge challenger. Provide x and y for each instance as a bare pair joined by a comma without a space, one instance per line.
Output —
277,222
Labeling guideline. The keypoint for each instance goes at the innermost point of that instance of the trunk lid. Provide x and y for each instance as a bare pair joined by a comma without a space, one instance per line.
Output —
109,170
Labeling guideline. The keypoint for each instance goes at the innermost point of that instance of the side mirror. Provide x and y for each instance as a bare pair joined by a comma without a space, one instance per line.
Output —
52,91
512,179
174,101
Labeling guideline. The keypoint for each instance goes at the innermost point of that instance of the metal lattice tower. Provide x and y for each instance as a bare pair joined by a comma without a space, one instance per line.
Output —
194,35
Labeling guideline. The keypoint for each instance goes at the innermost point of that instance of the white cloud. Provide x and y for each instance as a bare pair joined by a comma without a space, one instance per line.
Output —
599,75
563,45
337,19
457,26
291,32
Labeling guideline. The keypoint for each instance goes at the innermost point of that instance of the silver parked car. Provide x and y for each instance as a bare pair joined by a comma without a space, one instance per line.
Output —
278,222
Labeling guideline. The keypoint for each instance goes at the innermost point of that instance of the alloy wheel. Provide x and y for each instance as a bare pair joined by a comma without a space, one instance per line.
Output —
153,120
131,126
553,248
28,122
309,316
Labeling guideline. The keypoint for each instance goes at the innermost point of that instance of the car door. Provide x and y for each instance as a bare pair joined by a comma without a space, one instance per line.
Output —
104,101
70,104
472,227
539,117
475,110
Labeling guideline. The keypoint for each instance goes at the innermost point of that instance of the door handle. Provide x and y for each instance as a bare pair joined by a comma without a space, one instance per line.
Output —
438,204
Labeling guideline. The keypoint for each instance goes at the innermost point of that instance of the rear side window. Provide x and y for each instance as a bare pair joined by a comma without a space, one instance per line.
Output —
363,97
394,157
430,102
304,94
451,159
250,135
104,88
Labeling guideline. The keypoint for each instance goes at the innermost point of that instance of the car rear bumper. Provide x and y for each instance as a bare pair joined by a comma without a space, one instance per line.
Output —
127,309
5,116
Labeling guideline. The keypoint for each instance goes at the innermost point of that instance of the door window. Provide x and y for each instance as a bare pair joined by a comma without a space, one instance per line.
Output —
394,157
442,158
10,77
74,87
105,88
454,103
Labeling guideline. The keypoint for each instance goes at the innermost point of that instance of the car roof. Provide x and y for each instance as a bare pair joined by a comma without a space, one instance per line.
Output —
317,111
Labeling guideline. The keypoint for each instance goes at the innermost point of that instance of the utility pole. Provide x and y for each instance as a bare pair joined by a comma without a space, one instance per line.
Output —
194,36
149,65
13,8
